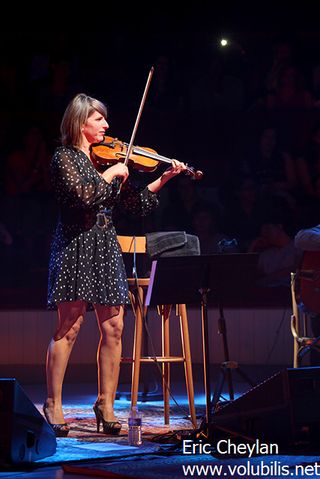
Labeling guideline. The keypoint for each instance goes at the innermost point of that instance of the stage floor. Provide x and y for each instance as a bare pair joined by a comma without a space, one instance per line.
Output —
85,453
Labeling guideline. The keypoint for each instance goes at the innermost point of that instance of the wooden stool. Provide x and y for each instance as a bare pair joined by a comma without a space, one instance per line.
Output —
137,290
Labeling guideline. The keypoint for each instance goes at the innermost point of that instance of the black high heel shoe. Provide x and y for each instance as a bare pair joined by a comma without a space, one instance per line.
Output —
60,430
109,427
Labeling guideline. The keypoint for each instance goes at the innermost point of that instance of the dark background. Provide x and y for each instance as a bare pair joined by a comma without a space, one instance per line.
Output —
208,114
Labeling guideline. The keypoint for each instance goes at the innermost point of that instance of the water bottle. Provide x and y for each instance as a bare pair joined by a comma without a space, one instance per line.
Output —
134,427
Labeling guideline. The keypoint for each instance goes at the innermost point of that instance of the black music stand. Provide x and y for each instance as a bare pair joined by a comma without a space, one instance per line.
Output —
194,279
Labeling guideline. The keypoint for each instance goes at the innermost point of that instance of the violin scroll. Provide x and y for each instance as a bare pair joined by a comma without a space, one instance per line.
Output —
196,174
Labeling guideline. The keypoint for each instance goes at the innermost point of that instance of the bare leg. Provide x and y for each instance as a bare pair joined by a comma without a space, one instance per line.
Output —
70,317
110,321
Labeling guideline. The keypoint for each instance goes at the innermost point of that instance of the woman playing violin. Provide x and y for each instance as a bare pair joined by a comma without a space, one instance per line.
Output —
86,266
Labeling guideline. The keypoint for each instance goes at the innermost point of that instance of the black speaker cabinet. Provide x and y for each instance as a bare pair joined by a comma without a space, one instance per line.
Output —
284,408
25,436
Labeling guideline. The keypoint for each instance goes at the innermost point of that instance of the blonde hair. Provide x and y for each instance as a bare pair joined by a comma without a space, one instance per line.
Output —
75,116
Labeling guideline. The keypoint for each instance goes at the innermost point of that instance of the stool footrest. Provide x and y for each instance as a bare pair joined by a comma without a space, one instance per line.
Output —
157,359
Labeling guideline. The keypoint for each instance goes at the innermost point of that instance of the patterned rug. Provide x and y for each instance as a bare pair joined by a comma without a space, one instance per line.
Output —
84,443
82,420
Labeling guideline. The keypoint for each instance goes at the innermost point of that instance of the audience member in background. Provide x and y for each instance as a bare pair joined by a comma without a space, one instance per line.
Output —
184,199
308,240
5,255
316,85
5,236
290,93
266,69
278,255
54,75
27,196
308,162
206,224
308,169
271,166
283,57
241,212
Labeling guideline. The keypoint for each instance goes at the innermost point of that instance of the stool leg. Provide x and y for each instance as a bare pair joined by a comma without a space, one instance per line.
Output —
165,317
137,347
187,361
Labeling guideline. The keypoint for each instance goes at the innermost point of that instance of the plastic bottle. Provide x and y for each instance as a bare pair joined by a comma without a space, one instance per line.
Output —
134,427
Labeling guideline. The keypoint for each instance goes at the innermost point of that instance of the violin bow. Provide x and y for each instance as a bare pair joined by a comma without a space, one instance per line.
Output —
134,131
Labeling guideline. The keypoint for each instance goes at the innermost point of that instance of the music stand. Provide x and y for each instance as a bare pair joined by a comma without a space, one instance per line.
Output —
190,279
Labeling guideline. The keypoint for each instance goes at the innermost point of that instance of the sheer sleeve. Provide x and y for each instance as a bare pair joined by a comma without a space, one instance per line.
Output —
76,185
138,201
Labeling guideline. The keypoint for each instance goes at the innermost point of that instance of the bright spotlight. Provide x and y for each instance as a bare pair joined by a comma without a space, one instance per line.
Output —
224,42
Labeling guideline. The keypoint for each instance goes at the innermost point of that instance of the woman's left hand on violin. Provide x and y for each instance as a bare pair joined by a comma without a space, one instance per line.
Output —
175,169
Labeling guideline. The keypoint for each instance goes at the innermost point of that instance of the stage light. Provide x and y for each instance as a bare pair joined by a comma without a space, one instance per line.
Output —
224,42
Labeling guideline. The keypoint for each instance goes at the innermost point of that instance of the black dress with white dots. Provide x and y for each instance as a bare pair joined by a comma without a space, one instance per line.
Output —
86,260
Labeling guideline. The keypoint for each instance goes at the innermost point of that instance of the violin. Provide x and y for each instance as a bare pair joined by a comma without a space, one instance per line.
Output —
111,150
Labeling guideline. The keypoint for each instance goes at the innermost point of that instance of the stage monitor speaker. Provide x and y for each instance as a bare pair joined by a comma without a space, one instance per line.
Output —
283,409
25,436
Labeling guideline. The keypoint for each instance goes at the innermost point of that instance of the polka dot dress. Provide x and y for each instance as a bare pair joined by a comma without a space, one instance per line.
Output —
86,261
